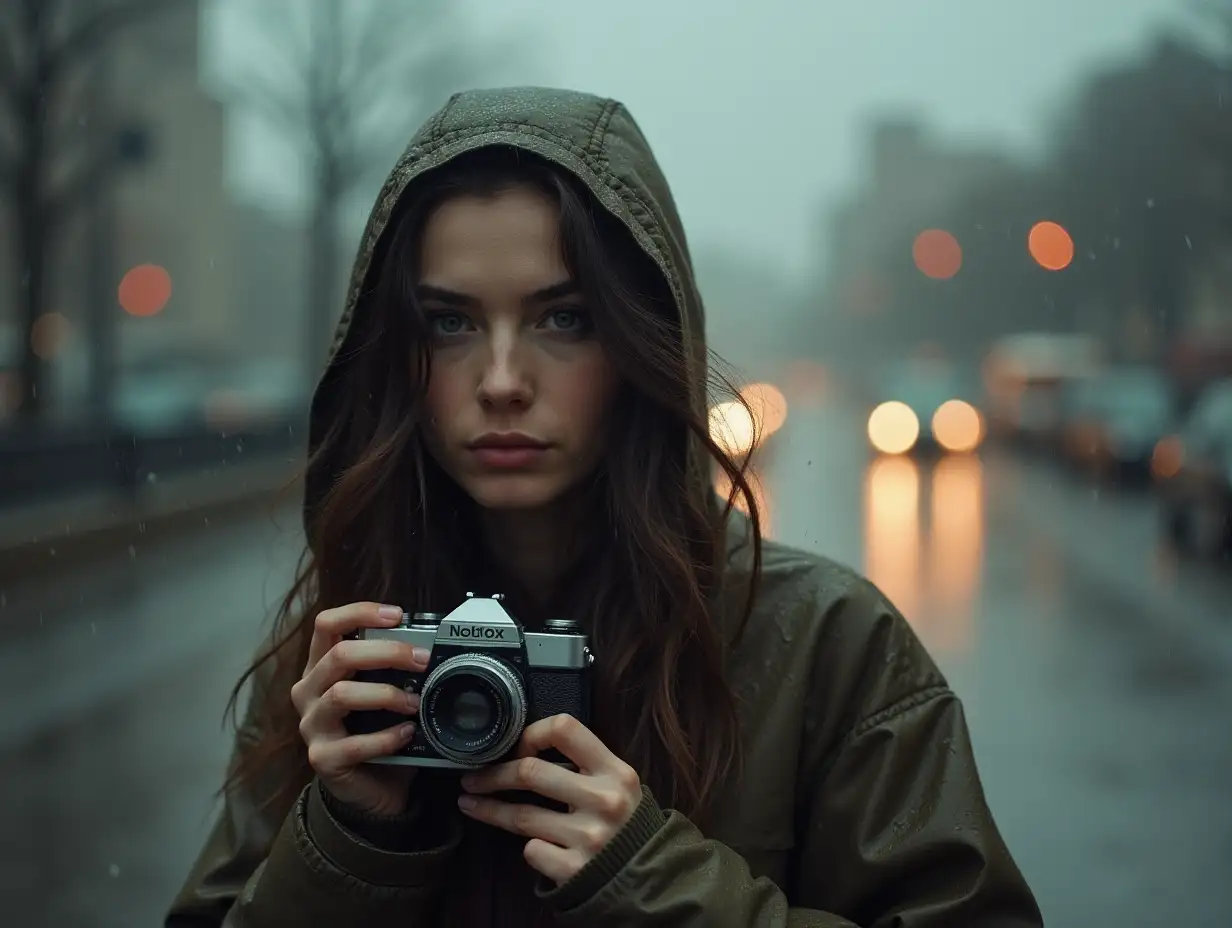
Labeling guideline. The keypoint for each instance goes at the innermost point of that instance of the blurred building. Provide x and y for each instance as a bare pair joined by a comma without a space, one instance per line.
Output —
139,93
170,208
751,314
269,280
910,180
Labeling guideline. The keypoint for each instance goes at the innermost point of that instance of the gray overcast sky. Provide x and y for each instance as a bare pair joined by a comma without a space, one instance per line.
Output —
756,109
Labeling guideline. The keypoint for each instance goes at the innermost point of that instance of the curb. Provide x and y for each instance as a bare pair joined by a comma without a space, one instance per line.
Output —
61,534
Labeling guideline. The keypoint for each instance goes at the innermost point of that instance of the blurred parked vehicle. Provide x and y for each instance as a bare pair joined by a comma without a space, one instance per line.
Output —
924,406
1194,470
1111,424
1025,378
161,394
253,393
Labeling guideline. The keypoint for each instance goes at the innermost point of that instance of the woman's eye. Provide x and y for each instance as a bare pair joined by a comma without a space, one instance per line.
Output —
446,324
573,321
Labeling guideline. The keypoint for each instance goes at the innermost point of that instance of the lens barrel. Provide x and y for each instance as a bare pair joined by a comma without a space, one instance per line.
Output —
472,709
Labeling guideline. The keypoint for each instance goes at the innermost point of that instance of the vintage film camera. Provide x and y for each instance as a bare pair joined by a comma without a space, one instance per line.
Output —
487,679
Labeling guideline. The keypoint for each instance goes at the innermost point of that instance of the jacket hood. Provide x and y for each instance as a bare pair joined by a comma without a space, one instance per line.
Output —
594,139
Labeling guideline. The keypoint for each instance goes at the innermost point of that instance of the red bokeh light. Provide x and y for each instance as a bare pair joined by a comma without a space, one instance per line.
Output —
145,290
1051,246
937,254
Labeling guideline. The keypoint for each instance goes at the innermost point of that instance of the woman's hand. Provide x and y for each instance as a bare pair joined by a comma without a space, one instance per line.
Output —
601,796
326,693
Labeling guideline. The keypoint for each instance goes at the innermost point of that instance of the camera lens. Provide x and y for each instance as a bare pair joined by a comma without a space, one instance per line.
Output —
473,709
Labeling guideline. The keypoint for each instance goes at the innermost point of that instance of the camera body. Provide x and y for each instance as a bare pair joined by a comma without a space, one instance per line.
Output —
487,679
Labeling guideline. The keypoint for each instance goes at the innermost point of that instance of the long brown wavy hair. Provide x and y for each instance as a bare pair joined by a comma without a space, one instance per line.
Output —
385,523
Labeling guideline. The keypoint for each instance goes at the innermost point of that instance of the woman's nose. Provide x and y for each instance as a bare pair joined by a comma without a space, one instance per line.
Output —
505,380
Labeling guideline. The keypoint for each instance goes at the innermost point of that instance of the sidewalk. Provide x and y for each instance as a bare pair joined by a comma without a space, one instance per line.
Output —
60,533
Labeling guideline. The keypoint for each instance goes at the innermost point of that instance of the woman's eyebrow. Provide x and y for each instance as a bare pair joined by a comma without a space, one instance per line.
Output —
454,298
442,295
554,292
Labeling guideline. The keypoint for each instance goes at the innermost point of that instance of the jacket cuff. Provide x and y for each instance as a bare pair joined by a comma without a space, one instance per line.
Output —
647,819
351,854
395,833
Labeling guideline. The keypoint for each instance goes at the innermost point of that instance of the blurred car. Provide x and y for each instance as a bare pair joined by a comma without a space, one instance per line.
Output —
1025,379
165,393
1111,424
924,407
1194,472
160,394
253,393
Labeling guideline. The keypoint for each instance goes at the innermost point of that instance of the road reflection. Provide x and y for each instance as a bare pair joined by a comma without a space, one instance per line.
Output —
924,542
892,530
924,536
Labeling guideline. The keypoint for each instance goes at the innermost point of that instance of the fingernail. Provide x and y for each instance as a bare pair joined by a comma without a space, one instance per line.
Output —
421,655
389,613
412,701
407,730
467,802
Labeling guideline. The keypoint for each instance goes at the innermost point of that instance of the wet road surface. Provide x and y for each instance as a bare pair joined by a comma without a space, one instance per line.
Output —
1097,675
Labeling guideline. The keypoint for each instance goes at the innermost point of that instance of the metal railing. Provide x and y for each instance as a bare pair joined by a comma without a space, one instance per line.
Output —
40,466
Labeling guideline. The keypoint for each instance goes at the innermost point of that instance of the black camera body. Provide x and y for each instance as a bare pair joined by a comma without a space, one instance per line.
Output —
487,679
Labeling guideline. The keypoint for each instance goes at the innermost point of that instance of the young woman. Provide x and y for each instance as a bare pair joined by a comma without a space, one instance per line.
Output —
517,401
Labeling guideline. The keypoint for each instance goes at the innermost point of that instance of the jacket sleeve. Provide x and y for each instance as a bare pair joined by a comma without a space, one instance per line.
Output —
265,865
893,832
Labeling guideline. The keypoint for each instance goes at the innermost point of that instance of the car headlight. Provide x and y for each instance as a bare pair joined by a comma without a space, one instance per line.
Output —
893,428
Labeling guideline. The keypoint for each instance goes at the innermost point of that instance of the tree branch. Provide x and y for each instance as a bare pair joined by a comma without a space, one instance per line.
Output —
272,103
87,35
8,60
283,31
98,163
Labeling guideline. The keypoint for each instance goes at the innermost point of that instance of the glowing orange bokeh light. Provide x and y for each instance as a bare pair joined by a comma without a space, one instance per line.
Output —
769,407
1168,458
957,426
48,334
937,254
1051,246
145,290
733,428
893,428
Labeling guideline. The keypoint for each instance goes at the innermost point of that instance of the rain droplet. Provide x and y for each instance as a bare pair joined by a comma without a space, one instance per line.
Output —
151,477
113,871
1150,203
132,551
1188,243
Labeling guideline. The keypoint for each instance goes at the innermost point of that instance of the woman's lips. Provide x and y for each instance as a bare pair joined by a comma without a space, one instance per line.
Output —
508,457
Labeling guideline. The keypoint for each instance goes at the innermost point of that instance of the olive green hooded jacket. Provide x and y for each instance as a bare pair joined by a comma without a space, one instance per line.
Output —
859,801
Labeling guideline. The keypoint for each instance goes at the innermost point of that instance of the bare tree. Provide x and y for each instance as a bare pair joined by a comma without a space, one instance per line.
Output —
347,81
48,170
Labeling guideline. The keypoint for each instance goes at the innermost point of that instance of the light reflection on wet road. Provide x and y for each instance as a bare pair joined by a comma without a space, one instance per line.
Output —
1095,673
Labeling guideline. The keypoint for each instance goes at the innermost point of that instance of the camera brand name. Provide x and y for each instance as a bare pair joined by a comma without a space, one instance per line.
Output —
476,631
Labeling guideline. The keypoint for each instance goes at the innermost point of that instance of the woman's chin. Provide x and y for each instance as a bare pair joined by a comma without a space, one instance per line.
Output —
514,491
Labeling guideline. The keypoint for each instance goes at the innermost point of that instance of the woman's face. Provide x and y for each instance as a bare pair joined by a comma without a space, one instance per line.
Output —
520,386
